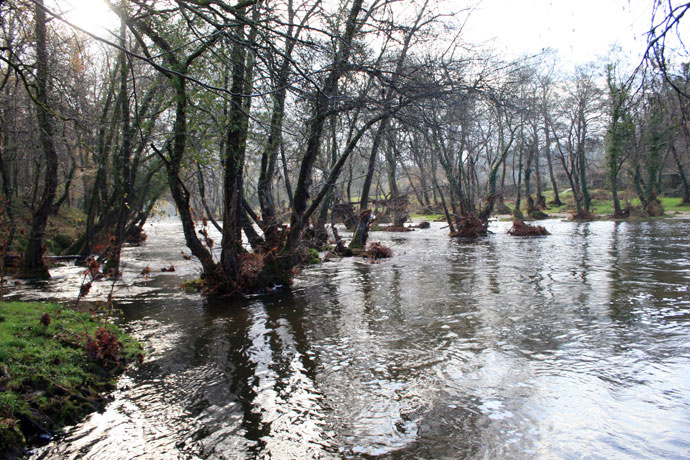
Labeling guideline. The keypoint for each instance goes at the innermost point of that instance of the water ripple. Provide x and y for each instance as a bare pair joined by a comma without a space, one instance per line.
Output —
569,346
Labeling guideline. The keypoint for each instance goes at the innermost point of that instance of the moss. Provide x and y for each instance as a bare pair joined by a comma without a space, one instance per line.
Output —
356,242
433,217
59,243
192,286
11,437
47,379
61,231
312,257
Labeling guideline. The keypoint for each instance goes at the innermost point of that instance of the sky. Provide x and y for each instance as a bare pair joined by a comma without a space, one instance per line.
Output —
580,30
93,15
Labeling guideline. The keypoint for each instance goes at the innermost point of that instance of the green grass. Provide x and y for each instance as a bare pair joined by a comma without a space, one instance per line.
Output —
602,202
673,204
430,217
46,376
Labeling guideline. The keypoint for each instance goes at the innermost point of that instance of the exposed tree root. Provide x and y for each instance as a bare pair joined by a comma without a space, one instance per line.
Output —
538,214
470,227
654,208
582,216
520,228
377,251
342,250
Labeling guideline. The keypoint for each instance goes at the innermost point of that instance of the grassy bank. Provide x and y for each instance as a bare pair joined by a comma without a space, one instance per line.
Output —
602,204
55,366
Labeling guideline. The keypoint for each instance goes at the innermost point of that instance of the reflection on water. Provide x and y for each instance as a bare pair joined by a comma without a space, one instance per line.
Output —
567,346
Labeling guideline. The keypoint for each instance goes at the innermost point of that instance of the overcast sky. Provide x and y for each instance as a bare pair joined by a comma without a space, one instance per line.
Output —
580,30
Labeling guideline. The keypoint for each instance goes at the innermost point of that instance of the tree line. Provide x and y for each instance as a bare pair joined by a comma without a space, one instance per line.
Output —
262,118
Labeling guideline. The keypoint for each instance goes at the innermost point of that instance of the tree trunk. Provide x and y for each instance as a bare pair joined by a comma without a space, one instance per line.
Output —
315,128
399,202
528,179
537,174
33,258
617,211
517,212
683,177
274,143
359,238
235,146
177,189
8,237
371,165
547,151
123,180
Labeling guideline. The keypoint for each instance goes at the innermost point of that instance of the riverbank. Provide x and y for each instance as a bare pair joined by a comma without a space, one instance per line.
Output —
602,208
56,364
682,215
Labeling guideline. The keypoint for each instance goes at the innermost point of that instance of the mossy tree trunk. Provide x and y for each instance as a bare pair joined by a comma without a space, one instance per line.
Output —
618,135
361,234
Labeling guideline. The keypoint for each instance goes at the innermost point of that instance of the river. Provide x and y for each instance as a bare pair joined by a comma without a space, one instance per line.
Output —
573,345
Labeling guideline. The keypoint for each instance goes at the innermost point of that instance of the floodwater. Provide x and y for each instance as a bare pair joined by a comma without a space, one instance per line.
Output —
574,345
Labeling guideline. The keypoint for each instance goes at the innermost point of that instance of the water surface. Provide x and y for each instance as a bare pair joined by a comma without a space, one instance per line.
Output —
575,345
